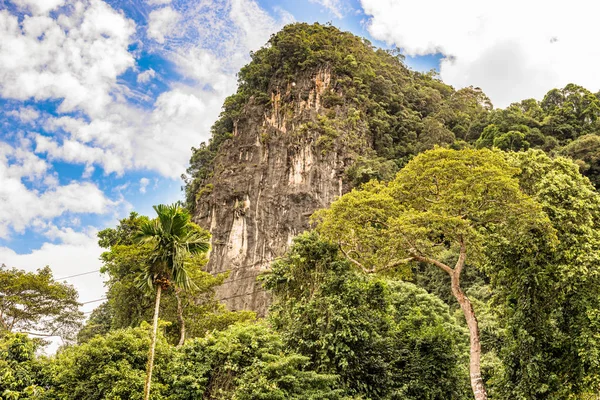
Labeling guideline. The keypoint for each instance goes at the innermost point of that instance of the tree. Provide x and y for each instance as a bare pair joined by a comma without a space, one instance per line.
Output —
548,293
128,304
175,239
99,323
443,207
108,367
246,362
20,371
34,303
384,339
585,151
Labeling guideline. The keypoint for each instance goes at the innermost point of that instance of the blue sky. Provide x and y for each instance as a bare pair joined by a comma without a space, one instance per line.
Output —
103,99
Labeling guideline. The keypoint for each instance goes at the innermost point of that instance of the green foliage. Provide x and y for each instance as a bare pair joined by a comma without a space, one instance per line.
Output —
99,323
20,371
386,340
548,292
129,304
430,347
175,241
585,151
443,207
246,362
512,140
365,169
35,302
109,367
442,198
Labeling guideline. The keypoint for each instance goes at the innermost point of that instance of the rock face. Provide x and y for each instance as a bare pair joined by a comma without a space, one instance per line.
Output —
285,161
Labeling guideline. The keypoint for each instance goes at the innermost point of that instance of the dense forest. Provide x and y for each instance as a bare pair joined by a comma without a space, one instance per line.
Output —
464,263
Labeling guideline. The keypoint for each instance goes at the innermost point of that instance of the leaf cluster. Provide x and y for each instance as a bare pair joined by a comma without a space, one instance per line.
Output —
384,339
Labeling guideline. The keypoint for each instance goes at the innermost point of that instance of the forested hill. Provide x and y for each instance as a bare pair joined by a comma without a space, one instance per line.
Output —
405,112
319,111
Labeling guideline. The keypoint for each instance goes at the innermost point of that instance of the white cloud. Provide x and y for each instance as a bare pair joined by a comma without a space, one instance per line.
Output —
254,25
144,184
209,45
332,6
161,23
25,114
158,2
76,57
88,171
145,76
42,198
512,49
39,6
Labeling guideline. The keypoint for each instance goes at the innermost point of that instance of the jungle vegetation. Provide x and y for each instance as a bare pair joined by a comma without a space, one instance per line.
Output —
464,263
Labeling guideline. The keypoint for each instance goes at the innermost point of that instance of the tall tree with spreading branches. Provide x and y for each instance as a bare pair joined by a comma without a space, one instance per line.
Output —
441,209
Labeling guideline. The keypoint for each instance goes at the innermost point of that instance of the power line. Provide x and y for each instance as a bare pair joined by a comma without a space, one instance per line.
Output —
210,273
93,301
81,274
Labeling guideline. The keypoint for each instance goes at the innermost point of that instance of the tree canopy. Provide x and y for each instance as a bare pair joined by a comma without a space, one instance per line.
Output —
384,339
33,302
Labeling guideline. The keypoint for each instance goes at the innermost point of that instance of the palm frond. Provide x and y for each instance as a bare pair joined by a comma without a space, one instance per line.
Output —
175,240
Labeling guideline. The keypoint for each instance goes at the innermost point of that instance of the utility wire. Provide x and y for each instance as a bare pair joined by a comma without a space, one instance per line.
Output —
81,274
210,273
93,301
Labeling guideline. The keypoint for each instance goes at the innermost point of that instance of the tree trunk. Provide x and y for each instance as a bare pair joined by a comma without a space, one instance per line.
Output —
152,346
180,317
475,344
465,304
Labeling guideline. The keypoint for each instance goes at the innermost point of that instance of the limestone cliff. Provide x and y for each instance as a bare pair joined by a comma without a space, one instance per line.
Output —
316,111
277,169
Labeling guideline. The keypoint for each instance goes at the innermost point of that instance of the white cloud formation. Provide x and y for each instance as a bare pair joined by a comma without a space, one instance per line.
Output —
39,6
144,77
144,184
75,58
208,45
333,6
513,49
30,194
161,23
78,59
26,115
88,171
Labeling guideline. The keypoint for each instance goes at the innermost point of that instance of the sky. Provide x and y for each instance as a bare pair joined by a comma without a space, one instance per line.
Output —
102,100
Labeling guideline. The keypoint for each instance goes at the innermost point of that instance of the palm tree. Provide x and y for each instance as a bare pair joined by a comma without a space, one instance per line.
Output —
175,239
